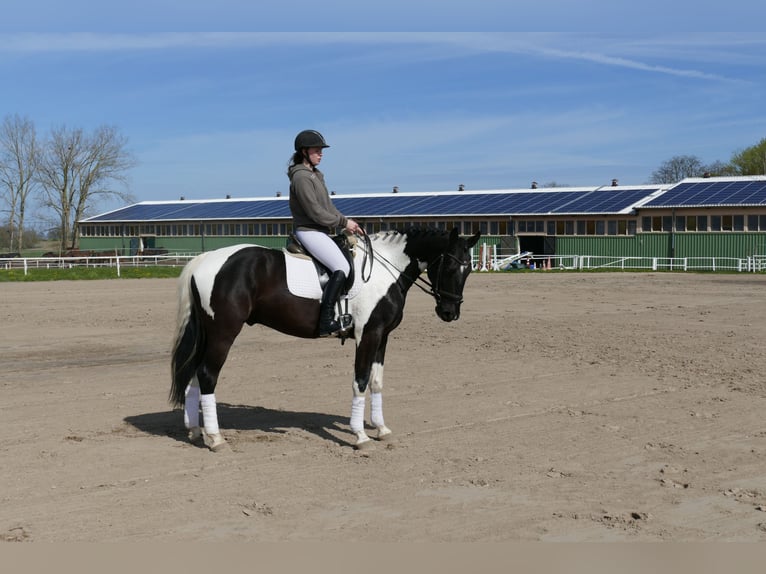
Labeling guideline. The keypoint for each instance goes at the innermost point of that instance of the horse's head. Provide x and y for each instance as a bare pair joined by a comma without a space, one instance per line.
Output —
448,273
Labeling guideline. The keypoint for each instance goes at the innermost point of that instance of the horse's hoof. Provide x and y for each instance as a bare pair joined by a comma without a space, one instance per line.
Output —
365,444
220,447
196,437
385,434
216,443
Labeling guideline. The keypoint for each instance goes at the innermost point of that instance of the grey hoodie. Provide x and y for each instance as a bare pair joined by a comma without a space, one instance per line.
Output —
310,202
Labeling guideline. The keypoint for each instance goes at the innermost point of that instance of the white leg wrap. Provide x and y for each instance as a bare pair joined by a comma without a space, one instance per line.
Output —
191,407
357,414
376,407
209,413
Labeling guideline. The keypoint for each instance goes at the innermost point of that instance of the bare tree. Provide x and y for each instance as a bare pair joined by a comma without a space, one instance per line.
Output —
677,168
19,155
78,170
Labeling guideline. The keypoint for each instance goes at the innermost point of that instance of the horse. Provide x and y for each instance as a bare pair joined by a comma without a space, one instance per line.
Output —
222,290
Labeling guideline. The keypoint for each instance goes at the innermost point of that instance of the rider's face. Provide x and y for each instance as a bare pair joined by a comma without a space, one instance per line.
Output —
314,155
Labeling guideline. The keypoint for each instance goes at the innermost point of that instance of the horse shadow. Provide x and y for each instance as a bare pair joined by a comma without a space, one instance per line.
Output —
244,418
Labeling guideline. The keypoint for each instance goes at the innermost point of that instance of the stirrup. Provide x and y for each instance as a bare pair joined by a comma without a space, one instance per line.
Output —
346,321
339,327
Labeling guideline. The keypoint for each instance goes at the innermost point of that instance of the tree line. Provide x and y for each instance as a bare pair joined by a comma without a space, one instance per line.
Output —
748,161
66,173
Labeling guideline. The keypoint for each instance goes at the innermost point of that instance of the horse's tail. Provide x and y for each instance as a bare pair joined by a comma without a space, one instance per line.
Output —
189,344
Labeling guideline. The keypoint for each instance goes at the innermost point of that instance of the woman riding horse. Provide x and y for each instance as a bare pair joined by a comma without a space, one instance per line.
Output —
314,219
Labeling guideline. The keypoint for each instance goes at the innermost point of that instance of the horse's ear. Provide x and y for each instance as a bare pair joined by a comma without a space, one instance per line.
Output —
473,240
454,235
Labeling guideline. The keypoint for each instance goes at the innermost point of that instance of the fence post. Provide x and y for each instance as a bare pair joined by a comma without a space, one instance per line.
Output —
118,266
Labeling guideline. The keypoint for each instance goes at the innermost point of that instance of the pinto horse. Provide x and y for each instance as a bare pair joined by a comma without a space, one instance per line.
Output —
221,290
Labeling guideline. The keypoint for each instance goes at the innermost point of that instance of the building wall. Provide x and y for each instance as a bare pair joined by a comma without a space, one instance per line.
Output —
737,245
128,245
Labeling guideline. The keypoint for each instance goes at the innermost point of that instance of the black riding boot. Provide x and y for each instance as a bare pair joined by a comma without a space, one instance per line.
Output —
328,326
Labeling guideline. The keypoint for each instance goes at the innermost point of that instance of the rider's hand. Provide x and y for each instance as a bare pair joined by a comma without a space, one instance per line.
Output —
353,227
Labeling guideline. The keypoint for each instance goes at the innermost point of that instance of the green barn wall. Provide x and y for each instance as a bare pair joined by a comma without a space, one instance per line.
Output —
178,244
737,245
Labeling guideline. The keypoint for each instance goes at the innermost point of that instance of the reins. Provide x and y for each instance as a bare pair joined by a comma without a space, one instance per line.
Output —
427,287
366,258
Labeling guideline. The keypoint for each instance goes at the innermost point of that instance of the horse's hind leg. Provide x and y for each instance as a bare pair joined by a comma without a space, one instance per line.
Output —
191,413
207,376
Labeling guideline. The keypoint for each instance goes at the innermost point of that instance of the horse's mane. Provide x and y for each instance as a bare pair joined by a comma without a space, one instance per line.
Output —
421,242
415,232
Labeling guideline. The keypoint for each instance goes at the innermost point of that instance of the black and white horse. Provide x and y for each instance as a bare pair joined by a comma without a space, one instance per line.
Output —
221,290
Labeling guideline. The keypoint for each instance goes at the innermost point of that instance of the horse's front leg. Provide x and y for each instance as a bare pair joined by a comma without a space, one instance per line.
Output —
376,400
369,372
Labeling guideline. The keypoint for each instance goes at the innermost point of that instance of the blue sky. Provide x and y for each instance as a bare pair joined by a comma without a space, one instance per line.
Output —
210,114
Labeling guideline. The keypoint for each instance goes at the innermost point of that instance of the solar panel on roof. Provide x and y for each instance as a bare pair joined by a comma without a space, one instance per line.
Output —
608,201
711,193
728,192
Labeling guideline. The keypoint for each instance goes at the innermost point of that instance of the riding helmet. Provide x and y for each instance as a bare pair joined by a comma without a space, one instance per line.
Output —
309,138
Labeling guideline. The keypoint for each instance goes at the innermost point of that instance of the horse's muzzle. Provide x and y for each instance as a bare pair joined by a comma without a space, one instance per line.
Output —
448,314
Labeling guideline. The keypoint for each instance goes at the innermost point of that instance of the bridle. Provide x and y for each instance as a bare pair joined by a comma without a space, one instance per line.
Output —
437,293
419,281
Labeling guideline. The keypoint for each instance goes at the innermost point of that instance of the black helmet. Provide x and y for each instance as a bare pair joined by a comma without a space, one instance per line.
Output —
309,138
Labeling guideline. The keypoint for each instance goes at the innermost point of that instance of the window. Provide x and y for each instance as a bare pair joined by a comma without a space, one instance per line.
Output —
580,227
600,227
611,227
646,223
715,223
752,223
622,227
702,223
739,223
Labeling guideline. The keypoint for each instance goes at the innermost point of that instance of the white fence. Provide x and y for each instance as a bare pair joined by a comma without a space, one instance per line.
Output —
115,261
490,258
485,258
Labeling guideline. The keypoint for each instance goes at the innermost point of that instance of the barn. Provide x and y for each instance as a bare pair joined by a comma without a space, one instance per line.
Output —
697,217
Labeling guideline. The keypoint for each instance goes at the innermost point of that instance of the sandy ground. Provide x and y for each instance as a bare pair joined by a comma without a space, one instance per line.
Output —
561,407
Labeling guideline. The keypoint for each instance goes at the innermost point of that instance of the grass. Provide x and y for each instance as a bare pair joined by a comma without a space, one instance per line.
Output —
80,273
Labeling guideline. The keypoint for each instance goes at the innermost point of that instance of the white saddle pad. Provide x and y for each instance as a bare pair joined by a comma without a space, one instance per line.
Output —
303,280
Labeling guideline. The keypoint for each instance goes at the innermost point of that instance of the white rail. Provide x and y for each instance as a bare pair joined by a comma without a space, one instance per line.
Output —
116,261
488,258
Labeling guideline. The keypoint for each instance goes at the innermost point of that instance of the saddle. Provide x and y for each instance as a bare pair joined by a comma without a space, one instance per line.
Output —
345,242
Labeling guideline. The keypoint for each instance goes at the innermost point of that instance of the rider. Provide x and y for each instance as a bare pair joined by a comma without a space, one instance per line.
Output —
314,218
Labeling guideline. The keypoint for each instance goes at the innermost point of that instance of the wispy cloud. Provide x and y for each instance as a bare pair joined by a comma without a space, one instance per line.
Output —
547,45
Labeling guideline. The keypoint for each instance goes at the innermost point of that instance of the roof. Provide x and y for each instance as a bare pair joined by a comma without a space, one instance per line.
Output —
606,200
744,191
602,200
